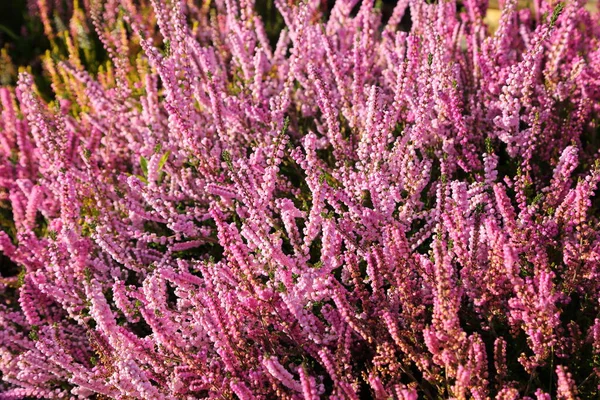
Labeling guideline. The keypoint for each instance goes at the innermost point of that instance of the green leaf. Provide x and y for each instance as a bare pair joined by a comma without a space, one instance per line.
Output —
331,181
281,288
558,9
227,158
327,215
163,160
479,208
286,124
489,147
539,197
14,157
33,334
21,278
144,165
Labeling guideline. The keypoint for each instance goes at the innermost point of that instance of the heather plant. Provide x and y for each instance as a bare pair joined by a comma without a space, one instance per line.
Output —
337,209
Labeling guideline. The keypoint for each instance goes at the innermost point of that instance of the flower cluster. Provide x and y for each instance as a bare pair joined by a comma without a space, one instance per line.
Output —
359,205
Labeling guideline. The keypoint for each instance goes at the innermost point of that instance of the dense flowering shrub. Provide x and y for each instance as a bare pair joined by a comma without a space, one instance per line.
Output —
347,210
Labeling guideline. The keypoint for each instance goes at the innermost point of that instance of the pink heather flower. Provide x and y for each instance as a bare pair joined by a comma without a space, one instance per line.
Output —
368,202
566,386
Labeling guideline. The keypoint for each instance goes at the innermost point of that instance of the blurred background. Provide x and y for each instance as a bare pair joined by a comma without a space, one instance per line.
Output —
22,39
